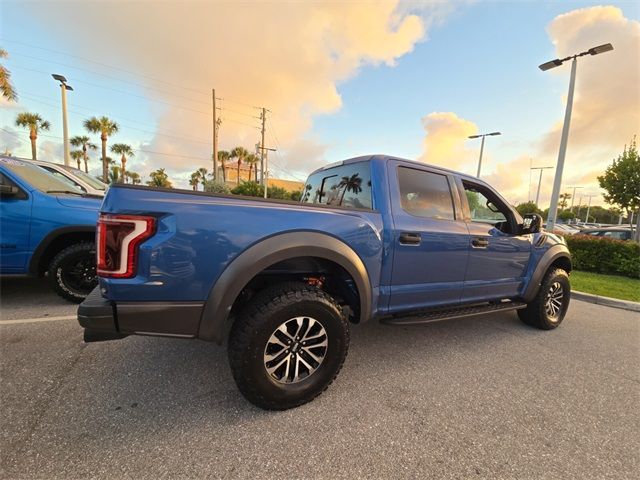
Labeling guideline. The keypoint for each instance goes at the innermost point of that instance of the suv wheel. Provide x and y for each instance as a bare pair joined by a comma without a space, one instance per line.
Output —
287,346
72,272
548,309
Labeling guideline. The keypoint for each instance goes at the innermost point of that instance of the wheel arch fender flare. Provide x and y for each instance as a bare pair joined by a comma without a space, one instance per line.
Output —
215,314
38,253
554,253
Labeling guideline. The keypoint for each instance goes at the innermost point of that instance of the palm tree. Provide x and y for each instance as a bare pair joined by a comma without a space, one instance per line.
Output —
203,176
84,142
135,177
6,87
195,180
350,184
77,156
240,153
159,178
252,159
223,156
34,123
105,128
124,150
114,174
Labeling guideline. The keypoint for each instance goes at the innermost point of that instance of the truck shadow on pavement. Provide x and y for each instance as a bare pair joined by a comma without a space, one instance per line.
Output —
142,382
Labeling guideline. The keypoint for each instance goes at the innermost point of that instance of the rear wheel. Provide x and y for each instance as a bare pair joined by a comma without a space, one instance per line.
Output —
287,346
548,308
72,272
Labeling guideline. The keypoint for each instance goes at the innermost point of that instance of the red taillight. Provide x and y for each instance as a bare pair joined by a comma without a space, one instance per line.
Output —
118,239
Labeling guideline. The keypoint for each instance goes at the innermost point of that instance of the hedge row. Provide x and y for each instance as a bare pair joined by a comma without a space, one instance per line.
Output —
604,255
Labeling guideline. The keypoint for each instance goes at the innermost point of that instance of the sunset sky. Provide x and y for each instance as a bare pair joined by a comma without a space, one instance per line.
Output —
341,79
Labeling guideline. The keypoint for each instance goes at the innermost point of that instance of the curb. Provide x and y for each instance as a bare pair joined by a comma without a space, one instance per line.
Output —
606,301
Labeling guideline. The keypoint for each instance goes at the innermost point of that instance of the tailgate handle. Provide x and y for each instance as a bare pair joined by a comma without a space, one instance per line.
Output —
409,238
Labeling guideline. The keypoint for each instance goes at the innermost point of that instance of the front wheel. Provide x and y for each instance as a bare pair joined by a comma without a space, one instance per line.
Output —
287,346
547,310
72,272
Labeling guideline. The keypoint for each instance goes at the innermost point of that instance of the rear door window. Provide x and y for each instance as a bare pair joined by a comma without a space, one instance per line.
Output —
343,186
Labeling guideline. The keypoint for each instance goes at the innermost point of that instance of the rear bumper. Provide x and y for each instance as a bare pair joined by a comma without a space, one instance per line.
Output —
104,319
97,316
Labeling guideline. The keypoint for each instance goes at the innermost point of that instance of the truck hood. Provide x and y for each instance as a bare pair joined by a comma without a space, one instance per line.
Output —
86,202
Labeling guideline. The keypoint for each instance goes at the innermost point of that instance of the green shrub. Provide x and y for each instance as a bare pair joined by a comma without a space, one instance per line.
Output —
212,186
249,189
604,255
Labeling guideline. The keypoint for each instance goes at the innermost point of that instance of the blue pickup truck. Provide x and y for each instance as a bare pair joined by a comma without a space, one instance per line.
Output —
373,237
47,227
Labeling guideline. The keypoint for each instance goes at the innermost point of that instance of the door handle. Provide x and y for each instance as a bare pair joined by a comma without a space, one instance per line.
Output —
480,242
408,238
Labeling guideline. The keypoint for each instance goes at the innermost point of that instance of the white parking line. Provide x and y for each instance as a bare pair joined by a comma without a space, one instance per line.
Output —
37,320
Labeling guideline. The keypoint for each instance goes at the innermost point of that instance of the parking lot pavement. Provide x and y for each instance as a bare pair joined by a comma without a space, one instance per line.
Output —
481,397
31,298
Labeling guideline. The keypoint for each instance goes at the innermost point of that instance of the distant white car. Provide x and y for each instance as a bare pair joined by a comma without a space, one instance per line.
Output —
73,176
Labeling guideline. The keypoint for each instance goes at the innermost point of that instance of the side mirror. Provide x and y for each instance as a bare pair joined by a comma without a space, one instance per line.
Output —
532,223
8,191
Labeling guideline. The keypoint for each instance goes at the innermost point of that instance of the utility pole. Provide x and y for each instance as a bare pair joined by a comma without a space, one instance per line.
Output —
573,196
542,169
215,136
263,117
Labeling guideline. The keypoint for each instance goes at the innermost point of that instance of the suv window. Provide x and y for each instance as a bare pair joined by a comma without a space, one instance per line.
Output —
425,194
347,185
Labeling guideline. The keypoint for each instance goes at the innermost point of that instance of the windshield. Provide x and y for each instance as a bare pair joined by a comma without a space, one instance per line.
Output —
88,179
37,177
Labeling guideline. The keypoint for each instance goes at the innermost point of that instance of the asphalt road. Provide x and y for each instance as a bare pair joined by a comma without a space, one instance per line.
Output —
481,397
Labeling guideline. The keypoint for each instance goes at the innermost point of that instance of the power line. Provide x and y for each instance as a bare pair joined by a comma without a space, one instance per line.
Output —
185,139
182,87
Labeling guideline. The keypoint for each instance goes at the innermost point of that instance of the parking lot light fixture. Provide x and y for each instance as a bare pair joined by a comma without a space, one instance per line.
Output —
65,128
607,47
482,135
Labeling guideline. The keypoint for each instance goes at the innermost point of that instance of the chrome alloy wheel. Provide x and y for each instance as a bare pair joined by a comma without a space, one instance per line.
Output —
295,350
553,303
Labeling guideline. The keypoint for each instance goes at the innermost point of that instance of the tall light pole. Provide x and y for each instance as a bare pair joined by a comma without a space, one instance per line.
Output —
555,194
65,129
482,147
542,169
586,220
573,196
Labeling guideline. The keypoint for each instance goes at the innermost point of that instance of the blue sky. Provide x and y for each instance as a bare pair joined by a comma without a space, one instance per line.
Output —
478,61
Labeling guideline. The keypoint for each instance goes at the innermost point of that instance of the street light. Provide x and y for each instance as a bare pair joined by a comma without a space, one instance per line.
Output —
65,129
542,169
482,147
555,194
586,220
573,196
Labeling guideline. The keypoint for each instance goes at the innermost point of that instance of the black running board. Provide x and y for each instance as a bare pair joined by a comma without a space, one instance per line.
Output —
455,312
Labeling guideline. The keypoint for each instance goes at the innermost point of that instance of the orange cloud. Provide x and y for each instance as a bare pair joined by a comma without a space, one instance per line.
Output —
445,141
288,57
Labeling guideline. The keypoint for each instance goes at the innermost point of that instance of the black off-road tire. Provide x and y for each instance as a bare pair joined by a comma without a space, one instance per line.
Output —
72,272
537,314
253,328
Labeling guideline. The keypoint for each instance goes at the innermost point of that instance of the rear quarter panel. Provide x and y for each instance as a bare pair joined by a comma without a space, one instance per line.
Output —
198,236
